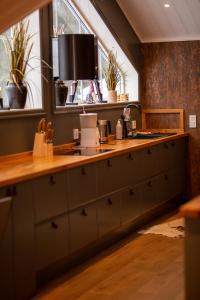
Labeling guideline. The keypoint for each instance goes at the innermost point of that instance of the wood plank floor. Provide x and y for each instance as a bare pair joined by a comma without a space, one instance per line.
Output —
139,267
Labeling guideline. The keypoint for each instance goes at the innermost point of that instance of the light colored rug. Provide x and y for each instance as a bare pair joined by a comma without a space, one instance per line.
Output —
173,229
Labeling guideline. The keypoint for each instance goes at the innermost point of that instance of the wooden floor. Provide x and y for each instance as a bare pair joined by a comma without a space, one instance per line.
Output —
140,267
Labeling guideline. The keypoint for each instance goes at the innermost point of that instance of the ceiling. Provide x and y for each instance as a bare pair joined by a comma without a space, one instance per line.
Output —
155,23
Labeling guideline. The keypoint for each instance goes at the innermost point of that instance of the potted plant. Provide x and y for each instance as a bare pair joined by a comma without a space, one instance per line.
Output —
112,77
19,48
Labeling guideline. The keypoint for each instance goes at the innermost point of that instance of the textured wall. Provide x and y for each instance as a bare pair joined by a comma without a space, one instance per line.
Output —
171,79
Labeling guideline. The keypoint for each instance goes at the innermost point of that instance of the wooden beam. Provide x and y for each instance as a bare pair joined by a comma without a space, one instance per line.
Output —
191,209
14,11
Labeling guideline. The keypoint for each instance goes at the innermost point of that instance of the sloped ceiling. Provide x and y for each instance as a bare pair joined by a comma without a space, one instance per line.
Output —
153,22
13,11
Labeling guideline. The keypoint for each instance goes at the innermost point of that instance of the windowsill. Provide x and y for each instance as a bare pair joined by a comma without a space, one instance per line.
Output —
90,107
17,113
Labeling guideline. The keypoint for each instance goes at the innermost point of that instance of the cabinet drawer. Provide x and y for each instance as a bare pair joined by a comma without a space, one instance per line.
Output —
82,185
50,196
52,241
177,152
165,187
149,195
164,156
149,162
178,181
131,168
108,213
110,174
83,227
131,203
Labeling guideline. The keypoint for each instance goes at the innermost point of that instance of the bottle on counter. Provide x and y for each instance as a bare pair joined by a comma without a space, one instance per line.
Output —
119,130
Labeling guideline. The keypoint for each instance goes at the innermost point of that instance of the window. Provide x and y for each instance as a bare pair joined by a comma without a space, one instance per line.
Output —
67,20
33,73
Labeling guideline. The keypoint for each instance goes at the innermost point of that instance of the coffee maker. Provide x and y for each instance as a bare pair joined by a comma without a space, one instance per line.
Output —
89,130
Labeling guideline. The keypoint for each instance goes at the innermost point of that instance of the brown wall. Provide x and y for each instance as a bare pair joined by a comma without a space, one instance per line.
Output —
171,79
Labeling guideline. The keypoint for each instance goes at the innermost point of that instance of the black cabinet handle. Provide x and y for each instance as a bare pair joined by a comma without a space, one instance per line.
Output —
83,212
173,144
166,146
131,192
54,225
130,156
109,163
149,184
109,201
166,177
83,172
52,180
149,151
11,191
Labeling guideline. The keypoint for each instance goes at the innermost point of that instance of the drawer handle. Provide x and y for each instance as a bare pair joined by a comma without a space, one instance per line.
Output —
166,146
166,177
11,191
131,192
173,144
109,163
149,184
83,213
83,172
54,225
149,151
52,180
130,156
109,201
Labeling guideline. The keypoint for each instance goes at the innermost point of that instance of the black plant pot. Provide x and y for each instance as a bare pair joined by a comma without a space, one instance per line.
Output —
61,92
16,96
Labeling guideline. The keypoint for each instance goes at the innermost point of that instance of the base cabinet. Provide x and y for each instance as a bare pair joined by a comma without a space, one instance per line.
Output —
131,203
83,227
52,241
108,213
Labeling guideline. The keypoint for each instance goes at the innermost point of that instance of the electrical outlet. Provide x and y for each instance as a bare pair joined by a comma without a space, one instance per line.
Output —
192,121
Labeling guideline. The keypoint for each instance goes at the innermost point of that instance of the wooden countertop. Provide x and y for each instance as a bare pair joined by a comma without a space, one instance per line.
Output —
191,209
20,167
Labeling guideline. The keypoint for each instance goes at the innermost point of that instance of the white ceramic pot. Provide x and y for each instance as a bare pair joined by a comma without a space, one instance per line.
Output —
112,96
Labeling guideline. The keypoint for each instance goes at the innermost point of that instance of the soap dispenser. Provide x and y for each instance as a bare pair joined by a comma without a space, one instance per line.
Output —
119,130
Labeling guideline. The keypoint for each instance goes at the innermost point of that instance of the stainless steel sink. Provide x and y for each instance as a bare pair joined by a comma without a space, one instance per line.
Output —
81,151
150,135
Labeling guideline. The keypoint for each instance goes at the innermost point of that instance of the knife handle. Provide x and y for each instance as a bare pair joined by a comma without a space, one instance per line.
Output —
41,125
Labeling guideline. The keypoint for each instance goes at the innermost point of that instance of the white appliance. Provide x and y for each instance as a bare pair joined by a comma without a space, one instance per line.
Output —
89,130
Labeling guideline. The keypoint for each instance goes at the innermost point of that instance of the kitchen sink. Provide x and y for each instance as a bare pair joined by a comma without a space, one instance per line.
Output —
81,151
150,135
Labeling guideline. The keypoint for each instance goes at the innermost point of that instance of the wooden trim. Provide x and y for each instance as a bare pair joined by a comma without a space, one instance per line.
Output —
164,111
191,209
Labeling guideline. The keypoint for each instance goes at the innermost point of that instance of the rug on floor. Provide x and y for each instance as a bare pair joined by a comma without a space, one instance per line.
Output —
173,229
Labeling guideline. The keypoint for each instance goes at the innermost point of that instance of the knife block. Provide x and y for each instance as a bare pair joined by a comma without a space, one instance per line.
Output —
39,148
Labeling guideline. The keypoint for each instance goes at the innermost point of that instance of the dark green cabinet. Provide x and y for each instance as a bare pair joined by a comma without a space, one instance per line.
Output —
50,196
83,227
81,185
52,241
149,196
109,213
131,203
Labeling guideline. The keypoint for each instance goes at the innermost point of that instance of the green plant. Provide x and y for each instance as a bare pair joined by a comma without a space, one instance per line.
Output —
19,47
112,73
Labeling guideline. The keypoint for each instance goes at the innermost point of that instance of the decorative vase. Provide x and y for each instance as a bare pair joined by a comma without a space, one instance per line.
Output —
61,92
16,95
112,96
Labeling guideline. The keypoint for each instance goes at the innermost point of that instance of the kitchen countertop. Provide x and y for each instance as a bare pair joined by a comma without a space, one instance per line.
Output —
21,167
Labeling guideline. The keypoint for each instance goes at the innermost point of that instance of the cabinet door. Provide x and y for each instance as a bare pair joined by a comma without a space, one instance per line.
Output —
6,247
52,241
108,213
50,196
149,195
164,156
23,241
83,227
149,162
165,187
131,168
178,181
177,152
131,203
110,174
82,185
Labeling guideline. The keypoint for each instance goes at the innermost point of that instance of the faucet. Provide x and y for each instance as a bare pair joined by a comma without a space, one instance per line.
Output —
126,123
